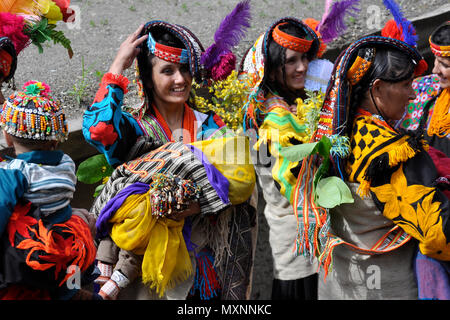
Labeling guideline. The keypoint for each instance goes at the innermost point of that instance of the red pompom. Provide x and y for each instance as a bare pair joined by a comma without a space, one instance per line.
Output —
391,30
313,23
225,66
11,26
422,66
68,14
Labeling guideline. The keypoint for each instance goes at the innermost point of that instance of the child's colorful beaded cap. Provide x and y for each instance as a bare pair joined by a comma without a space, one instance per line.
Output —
34,114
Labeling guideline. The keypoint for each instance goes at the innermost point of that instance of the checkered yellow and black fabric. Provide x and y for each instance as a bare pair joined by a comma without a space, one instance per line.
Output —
372,139
397,172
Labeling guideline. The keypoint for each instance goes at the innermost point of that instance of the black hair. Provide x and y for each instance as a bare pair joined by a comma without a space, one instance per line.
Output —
277,58
441,36
145,57
7,45
389,64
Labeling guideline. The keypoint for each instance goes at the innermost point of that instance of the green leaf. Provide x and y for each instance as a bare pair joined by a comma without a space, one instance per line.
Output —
298,152
94,169
324,147
98,189
331,192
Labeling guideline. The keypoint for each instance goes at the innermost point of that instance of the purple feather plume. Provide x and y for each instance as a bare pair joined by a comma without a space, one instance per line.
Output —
229,34
333,24
408,29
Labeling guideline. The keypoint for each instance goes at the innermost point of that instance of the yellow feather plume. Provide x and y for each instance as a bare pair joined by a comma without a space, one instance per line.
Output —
25,7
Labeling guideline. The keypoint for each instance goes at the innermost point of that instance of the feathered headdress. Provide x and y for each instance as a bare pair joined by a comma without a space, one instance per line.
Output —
332,24
218,59
34,21
402,29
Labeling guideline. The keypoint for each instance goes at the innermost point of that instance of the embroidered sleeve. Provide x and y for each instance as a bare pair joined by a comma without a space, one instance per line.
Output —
12,187
112,131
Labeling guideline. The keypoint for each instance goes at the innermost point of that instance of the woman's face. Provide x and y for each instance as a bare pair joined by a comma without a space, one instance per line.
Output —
393,98
442,70
296,66
171,82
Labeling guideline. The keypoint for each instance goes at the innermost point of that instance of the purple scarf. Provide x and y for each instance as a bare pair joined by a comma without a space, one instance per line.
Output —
215,177
433,278
108,211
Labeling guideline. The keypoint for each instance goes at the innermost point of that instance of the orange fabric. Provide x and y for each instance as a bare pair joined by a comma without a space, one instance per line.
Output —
440,120
290,42
189,127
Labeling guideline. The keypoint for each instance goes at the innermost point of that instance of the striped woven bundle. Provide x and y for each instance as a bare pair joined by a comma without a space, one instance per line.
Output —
175,158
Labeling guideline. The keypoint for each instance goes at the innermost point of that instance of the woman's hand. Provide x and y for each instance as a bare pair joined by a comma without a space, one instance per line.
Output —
194,208
128,51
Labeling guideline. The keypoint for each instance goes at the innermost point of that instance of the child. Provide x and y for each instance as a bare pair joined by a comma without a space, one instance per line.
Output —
40,180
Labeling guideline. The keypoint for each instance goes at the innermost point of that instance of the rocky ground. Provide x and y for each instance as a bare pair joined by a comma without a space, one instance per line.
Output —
102,25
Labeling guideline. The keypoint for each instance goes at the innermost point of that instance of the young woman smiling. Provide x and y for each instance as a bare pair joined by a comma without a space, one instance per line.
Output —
168,60
277,63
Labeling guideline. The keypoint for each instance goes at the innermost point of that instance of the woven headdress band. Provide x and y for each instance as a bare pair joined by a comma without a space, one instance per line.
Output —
290,42
167,53
361,65
438,50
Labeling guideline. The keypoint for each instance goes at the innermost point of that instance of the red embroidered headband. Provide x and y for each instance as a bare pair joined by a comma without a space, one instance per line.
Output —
167,53
438,50
290,42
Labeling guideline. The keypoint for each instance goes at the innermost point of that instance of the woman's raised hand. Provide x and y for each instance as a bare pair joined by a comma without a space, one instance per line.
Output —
128,51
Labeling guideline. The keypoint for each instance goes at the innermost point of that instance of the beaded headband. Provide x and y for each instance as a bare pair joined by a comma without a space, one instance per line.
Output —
362,63
438,50
290,42
167,53
33,114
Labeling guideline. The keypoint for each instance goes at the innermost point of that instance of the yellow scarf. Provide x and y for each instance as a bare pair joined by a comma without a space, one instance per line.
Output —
371,139
440,120
166,260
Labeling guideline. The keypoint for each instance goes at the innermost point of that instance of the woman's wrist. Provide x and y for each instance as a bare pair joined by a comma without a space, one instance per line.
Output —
116,67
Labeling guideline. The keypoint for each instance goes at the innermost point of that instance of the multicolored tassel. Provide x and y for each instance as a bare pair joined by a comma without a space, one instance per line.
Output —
206,281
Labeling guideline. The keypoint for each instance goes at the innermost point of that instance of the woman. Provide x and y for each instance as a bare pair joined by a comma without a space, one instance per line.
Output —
397,205
431,107
277,64
432,100
168,59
